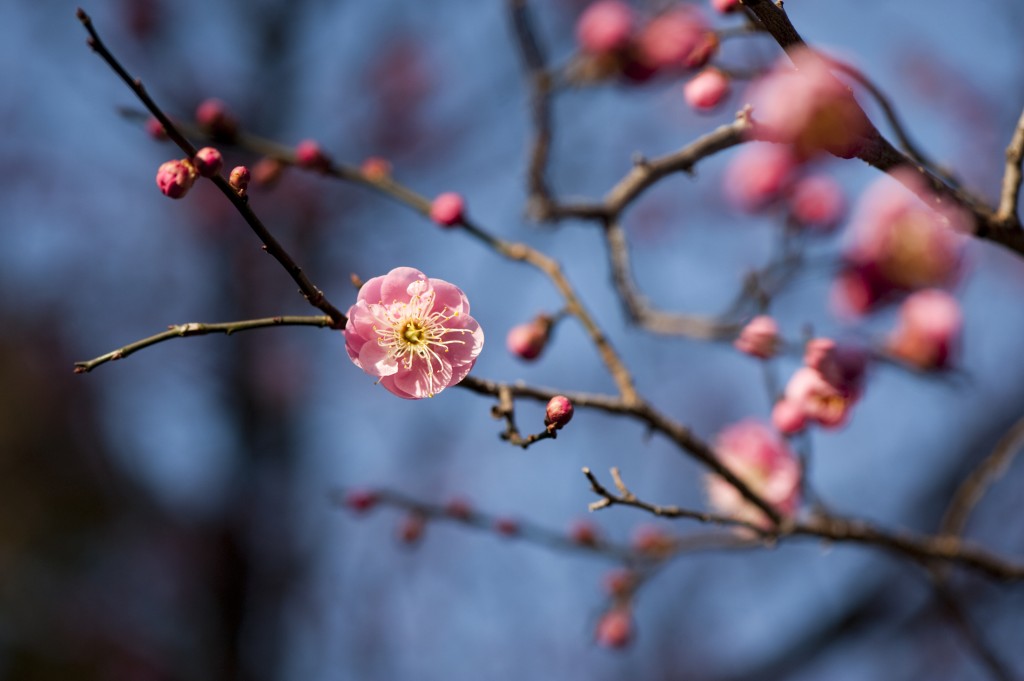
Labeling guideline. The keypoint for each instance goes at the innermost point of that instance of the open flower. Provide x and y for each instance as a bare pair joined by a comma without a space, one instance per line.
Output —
761,459
413,333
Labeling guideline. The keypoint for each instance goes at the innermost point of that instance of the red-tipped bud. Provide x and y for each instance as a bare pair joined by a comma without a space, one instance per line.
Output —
239,178
208,161
411,530
213,116
558,412
706,90
929,329
361,500
155,129
652,541
309,154
508,527
527,341
448,209
175,178
584,533
459,508
725,6
267,171
615,628
376,168
619,583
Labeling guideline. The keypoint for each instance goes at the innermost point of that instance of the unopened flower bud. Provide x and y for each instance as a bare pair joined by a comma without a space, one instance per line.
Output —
175,178
309,154
706,90
615,628
725,6
817,202
376,168
208,161
214,117
361,500
759,338
410,531
584,533
652,541
558,413
267,171
447,209
155,129
239,178
619,583
605,26
527,341
929,328
508,527
458,508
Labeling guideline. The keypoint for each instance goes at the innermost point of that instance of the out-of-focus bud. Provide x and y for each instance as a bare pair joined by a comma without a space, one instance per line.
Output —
725,6
208,161
216,120
677,39
929,329
267,171
615,628
584,533
309,154
527,341
817,202
412,527
361,500
619,583
175,178
376,168
788,417
155,129
448,209
759,338
706,90
459,508
606,26
759,175
652,541
508,527
558,413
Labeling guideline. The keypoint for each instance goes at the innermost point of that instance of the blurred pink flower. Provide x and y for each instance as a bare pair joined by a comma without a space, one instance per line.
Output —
842,365
928,331
788,417
817,202
678,39
413,333
808,107
820,400
448,209
759,338
763,460
605,26
899,244
759,175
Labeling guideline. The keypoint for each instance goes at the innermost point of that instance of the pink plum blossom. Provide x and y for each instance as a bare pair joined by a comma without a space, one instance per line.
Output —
309,154
558,412
413,333
725,6
208,161
820,400
817,201
759,338
898,243
929,329
239,178
678,39
605,26
755,454
706,90
808,107
788,417
842,365
759,175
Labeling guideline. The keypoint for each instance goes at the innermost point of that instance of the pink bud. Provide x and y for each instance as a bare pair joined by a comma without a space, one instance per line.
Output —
758,175
376,168
605,26
267,171
361,500
508,527
725,6
239,178
459,508
706,90
447,209
584,533
155,129
175,178
679,38
652,541
214,117
527,341
558,413
619,583
411,529
929,329
308,154
817,202
615,628
208,161
759,338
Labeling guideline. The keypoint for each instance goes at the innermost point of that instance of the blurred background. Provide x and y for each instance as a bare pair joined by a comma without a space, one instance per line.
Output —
168,516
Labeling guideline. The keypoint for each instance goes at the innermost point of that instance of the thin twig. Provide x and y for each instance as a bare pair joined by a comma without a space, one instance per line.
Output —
1010,195
505,409
201,329
309,291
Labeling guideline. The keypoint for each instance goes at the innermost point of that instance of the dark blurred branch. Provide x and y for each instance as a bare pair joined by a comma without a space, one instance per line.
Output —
973,488
969,632
200,329
309,291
